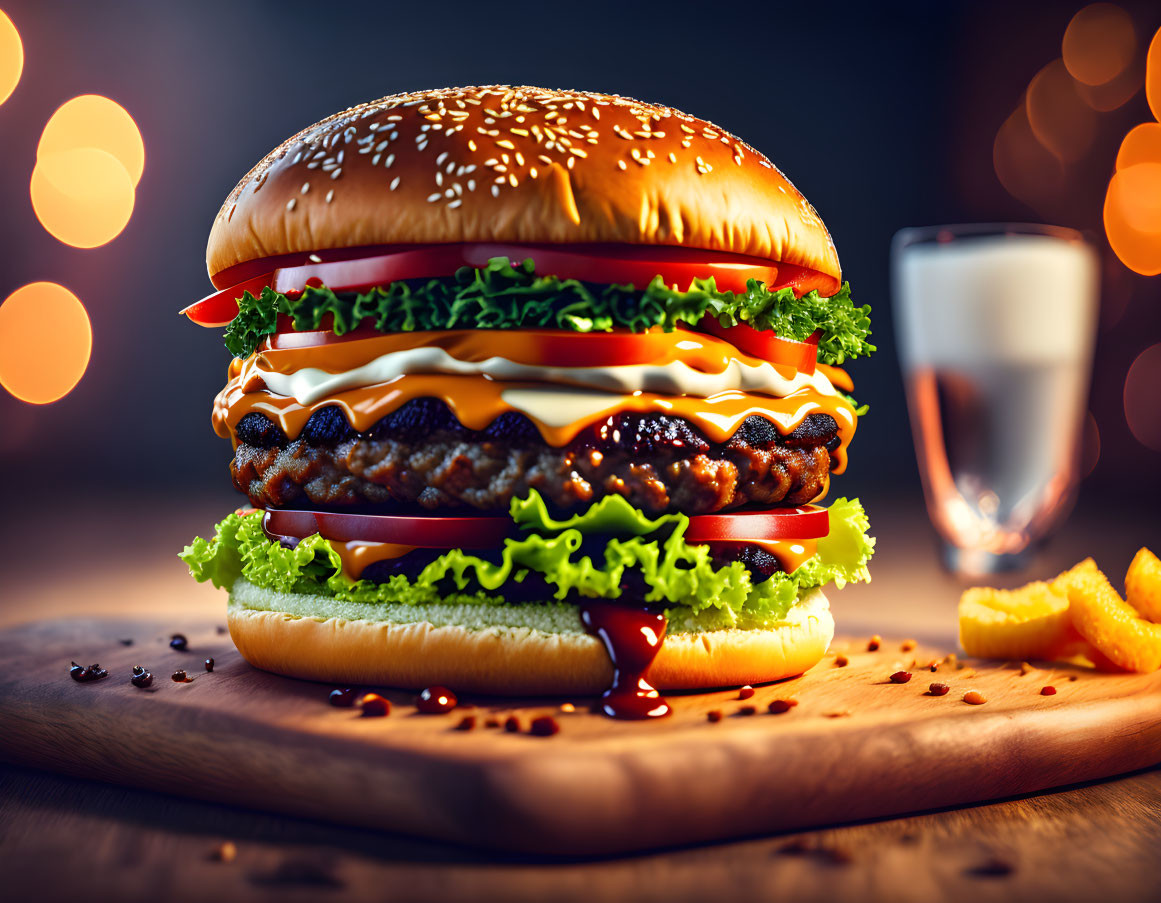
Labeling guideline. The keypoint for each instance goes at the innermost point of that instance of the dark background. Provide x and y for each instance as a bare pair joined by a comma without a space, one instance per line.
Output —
884,115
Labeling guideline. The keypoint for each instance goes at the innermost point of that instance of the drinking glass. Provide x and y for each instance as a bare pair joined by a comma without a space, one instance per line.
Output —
995,326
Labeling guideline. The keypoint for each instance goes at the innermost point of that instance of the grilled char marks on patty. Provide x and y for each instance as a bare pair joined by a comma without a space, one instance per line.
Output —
420,456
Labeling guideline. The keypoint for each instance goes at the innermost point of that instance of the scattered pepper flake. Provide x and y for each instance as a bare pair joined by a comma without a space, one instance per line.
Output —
938,689
781,706
900,677
874,643
1048,691
512,725
209,664
374,706
841,661
141,678
82,674
907,645
178,642
747,710
544,726
746,692
180,677
713,716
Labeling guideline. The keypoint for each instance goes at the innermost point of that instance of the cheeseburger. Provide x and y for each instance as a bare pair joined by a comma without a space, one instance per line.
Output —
532,392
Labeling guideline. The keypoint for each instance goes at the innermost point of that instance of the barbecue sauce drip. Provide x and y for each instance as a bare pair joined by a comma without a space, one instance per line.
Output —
632,637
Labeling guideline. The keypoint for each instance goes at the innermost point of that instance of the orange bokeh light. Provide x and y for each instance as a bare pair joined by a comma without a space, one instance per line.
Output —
1099,44
1143,397
1153,75
1059,117
45,342
95,121
1024,167
1141,145
1114,94
11,57
1132,217
83,197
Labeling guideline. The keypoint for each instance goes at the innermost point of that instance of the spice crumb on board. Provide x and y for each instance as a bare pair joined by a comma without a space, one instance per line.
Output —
900,677
938,689
512,725
374,706
178,642
181,677
746,692
974,697
841,661
1025,668
747,710
1048,691
908,645
713,716
781,706
874,643
467,723
544,726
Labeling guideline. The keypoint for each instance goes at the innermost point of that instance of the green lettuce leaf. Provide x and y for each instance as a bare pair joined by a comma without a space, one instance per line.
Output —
680,575
503,295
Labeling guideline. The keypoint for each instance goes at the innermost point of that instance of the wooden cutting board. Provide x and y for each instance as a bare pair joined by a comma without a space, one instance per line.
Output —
856,746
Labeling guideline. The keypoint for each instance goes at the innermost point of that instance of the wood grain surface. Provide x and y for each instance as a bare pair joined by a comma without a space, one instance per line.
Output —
856,746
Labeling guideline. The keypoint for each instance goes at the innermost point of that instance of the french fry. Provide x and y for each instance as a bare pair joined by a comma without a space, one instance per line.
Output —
1030,622
1143,585
1112,625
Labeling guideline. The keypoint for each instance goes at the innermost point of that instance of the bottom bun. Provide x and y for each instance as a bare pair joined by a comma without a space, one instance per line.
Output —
522,649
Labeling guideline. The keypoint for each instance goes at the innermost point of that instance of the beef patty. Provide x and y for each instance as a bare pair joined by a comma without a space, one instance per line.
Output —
421,457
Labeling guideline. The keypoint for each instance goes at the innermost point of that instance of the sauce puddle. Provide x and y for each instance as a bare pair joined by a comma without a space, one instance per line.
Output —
632,638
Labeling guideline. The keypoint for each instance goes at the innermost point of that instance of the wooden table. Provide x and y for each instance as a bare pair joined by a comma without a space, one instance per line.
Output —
64,838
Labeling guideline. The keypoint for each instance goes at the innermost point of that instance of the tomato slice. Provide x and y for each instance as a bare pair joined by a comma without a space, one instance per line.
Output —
764,344
352,269
488,531
421,531
806,522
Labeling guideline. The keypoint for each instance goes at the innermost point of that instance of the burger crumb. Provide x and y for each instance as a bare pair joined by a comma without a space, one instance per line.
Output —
568,708
181,677
1025,668
209,664
221,630
1073,677
938,690
781,706
841,661
374,706
933,666
974,697
512,725
1048,691
128,641
747,710
226,851
342,698
900,677
746,692
544,726
907,645
178,642
467,723
713,716
838,713
874,643
492,722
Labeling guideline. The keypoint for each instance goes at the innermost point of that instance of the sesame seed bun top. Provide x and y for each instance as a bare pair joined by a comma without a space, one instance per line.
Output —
515,164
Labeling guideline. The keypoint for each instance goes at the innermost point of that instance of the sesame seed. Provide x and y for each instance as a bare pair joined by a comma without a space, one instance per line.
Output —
439,160
532,172
314,258
330,195
471,184
471,144
305,187
672,157
390,159
504,142
456,203
495,191
449,193
439,178
375,159
338,172
621,164
395,183
432,198
290,204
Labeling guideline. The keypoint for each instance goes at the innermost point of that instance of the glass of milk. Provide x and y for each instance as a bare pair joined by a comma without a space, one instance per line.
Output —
995,325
